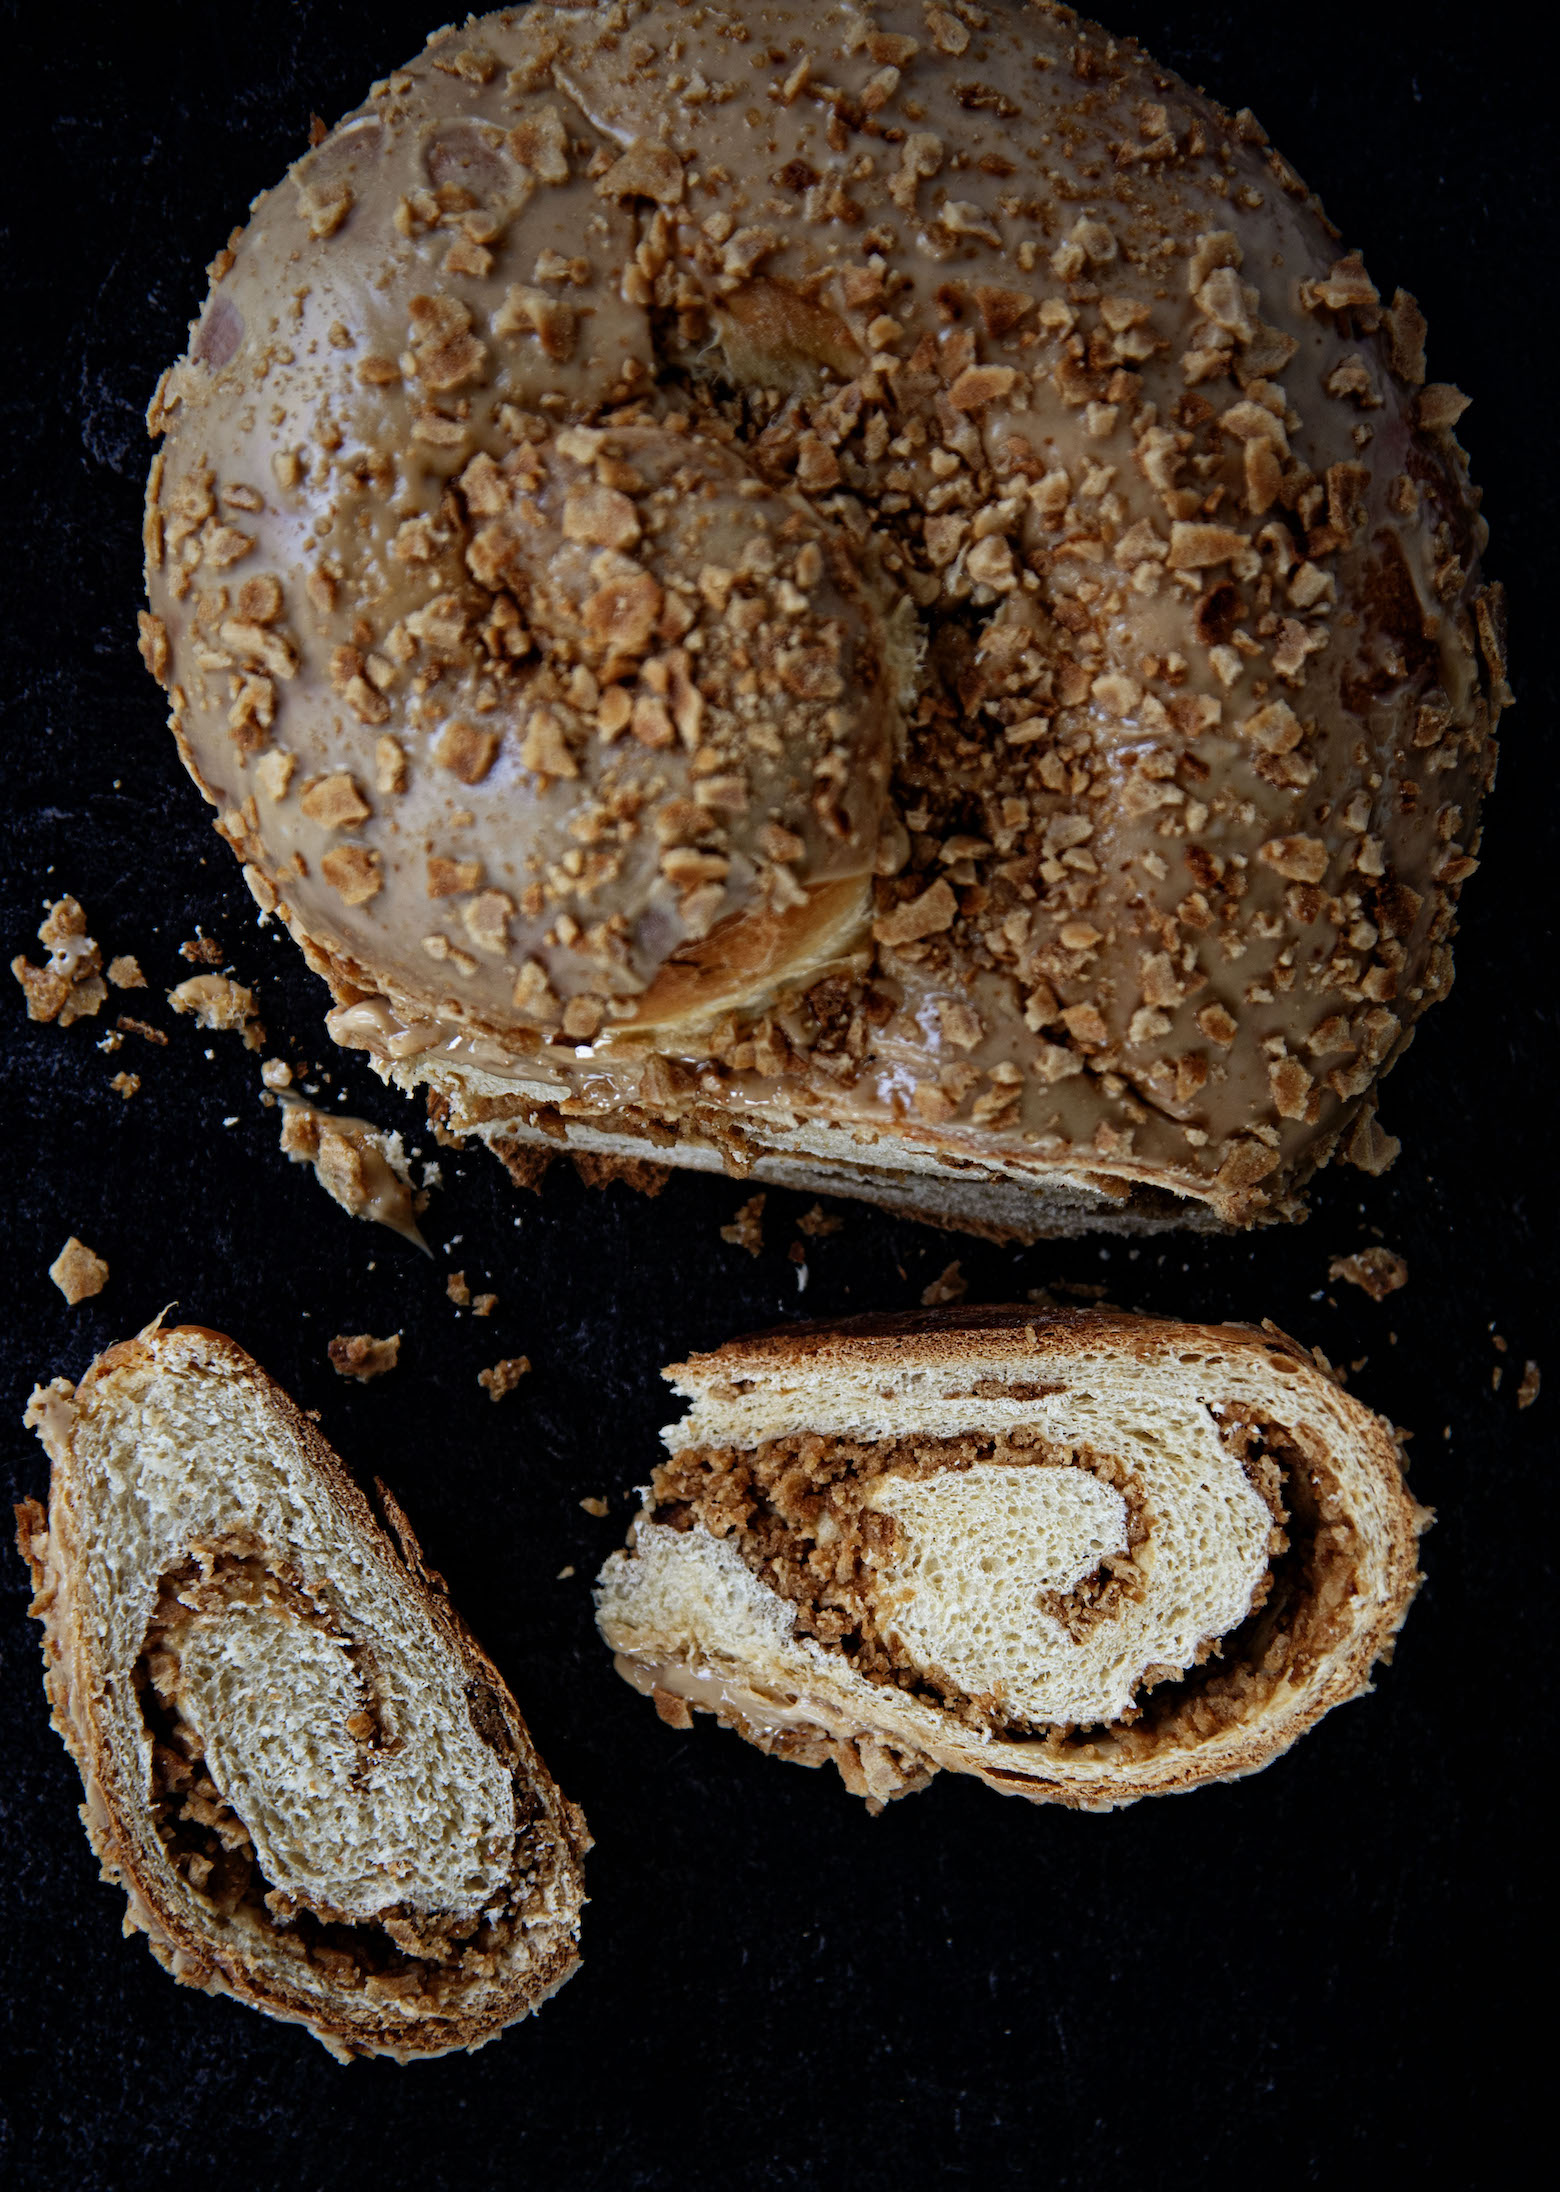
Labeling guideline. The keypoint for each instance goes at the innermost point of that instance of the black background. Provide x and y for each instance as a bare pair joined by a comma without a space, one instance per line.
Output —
1318,1971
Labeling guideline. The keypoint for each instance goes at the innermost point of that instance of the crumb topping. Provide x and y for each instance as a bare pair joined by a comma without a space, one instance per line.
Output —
1380,1271
221,1004
504,1376
359,1355
360,1167
917,570
69,985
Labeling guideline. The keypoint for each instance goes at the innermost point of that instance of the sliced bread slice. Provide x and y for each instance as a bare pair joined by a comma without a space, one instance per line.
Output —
1086,1556
312,1783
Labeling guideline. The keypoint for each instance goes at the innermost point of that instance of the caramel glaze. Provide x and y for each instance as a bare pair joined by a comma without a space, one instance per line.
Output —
875,566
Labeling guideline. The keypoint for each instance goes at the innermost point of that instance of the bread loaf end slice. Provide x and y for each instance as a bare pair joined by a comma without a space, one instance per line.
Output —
313,1785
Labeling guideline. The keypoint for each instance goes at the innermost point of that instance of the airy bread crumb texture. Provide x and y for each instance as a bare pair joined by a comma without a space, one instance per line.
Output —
1085,1556
317,1791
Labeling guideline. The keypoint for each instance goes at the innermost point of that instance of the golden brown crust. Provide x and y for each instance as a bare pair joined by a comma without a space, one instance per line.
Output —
1067,434
114,1812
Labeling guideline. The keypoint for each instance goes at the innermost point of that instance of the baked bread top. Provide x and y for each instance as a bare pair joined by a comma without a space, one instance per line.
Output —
886,555
314,1786
1088,1557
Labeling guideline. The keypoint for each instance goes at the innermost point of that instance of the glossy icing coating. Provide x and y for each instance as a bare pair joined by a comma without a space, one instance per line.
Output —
877,565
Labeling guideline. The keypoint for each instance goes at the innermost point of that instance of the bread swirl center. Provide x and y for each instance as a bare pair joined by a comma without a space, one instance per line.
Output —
1024,1585
282,1784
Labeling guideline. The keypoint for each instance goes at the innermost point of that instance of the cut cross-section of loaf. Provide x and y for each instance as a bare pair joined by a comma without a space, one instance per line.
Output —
1086,1556
313,1784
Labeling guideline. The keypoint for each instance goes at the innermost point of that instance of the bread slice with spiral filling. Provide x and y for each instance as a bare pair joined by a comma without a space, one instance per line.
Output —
1088,1557
313,1784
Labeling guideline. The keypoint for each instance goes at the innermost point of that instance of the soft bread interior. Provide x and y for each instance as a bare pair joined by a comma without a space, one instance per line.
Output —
1096,1559
981,1556
307,1766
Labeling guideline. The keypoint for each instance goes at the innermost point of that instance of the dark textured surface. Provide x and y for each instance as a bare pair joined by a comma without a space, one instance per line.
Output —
1253,1983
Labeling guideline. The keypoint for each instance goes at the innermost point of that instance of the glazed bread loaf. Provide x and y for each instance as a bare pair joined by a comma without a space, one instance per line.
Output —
312,1783
1087,1557
865,594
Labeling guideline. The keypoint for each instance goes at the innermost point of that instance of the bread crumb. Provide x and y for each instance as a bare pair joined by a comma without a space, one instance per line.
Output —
597,1506
78,1272
276,1073
142,1028
564,1574
359,1355
358,1166
201,951
504,1376
747,1228
125,1084
815,1223
457,1289
1527,1391
219,1004
483,1305
69,986
950,1285
1377,1270
125,972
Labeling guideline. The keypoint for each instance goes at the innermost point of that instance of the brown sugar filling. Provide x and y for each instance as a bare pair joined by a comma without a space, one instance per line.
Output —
794,1510
422,1959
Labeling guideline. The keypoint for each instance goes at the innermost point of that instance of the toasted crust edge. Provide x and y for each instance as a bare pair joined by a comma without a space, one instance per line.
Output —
45,1541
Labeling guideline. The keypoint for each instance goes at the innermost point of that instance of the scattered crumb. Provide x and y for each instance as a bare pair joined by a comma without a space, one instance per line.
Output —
1495,1377
276,1073
111,1042
69,986
201,951
358,1166
816,1223
77,1272
950,1285
1377,1270
457,1289
746,1230
797,1253
597,1507
504,1376
125,972
142,1028
219,1004
359,1355
1527,1391
564,1574
483,1305
125,1084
